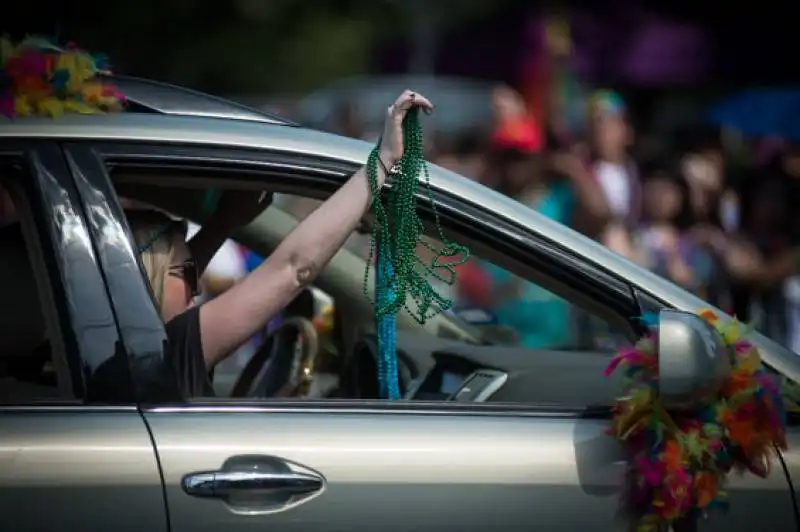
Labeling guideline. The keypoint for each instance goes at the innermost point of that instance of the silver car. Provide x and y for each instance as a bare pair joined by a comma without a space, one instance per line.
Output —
93,435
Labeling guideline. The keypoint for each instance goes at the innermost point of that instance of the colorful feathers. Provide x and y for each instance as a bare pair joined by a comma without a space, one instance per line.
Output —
679,461
40,78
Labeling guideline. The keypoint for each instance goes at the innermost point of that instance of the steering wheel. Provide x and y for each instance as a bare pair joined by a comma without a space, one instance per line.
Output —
284,365
359,376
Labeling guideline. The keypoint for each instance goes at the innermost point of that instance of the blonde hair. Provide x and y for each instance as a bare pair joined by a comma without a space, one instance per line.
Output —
155,233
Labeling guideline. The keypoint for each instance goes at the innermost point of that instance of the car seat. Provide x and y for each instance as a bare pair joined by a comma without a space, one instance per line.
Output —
24,345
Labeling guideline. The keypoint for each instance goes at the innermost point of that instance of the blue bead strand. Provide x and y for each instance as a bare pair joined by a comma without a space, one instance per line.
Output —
388,378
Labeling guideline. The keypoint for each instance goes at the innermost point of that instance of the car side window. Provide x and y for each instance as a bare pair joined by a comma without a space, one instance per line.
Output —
507,310
28,372
503,308
513,311
529,326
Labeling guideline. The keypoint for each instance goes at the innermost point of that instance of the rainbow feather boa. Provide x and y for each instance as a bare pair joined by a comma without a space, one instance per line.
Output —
679,462
40,78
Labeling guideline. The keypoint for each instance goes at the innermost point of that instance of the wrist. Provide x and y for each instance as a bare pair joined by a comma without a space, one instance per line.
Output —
387,159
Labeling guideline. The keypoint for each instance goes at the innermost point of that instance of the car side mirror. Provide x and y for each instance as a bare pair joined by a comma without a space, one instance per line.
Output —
694,360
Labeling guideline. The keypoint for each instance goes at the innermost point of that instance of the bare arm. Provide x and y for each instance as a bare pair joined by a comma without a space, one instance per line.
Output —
593,211
229,320
591,199
746,264
775,271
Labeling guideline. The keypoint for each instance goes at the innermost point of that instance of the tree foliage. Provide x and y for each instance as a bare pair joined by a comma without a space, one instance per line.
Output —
262,46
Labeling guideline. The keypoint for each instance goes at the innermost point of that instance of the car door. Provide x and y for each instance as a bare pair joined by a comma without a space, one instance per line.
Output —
332,465
72,456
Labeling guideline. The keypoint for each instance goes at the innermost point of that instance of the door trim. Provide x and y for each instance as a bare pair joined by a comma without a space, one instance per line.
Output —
386,408
141,330
87,327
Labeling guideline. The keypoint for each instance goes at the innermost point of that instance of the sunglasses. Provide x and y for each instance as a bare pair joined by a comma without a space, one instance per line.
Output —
187,271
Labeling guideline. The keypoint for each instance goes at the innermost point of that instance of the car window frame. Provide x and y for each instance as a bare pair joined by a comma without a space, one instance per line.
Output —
152,374
63,245
322,175
316,177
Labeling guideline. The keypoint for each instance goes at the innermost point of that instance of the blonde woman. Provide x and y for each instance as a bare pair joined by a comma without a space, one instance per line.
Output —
199,337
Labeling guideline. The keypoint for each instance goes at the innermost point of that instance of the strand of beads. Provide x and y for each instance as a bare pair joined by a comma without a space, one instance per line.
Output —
401,276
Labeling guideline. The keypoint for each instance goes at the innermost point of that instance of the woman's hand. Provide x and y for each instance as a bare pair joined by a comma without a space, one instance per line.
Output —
391,150
229,320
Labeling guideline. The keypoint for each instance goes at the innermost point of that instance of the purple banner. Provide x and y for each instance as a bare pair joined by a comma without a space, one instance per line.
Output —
631,46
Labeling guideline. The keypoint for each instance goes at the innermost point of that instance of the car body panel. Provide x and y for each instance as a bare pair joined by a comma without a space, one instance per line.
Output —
398,466
65,465
393,471
78,468
424,468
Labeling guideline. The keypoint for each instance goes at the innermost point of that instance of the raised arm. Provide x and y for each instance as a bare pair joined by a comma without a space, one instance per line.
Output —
230,319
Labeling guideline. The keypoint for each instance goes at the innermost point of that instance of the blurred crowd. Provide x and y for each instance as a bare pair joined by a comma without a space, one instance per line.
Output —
696,210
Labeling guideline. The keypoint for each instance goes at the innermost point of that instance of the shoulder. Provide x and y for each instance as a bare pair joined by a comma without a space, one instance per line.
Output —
185,323
185,350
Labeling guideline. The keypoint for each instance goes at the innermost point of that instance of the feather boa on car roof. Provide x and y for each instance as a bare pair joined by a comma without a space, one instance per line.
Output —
40,78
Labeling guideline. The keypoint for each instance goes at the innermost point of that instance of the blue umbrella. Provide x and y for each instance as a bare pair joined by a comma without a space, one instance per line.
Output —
761,112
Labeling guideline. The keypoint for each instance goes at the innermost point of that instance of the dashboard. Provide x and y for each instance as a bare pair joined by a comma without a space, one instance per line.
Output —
456,379
439,369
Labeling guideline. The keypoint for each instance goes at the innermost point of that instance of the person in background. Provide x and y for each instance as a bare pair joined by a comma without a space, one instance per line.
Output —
471,154
663,242
558,185
714,204
345,121
762,258
557,188
461,153
610,137
442,152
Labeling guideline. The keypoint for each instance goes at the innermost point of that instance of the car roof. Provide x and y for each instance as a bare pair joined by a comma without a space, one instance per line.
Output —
182,129
148,96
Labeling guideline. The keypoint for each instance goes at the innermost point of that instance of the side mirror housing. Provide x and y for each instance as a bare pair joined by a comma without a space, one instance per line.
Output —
694,360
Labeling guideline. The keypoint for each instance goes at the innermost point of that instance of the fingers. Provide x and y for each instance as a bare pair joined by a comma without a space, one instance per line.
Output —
406,101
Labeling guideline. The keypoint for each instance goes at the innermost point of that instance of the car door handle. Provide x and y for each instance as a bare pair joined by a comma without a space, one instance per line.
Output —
224,484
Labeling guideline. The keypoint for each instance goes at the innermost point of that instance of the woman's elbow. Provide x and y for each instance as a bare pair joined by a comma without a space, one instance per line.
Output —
302,271
235,316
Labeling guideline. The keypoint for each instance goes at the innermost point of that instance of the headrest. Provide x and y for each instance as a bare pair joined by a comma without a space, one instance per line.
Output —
22,325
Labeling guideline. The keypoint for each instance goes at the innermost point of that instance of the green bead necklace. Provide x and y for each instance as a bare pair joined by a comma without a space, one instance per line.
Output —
401,275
